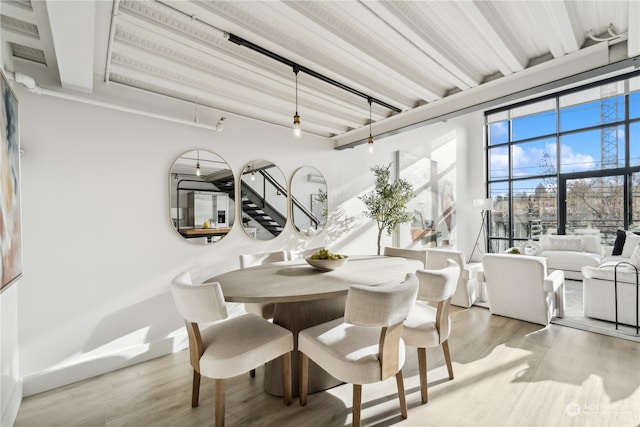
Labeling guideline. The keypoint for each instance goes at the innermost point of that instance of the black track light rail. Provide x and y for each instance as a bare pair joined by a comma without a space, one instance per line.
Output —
242,42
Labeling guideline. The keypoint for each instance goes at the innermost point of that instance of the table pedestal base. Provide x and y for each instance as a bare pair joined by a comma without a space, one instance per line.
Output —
296,316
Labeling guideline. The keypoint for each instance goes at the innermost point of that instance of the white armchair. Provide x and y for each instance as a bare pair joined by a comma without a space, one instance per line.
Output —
467,287
518,286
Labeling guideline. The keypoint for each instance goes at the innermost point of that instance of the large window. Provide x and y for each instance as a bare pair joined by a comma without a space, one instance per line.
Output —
565,163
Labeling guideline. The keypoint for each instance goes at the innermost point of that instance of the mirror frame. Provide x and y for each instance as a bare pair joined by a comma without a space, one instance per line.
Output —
185,220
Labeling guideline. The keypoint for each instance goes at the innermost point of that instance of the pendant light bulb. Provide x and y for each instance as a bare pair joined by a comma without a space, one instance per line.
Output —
297,130
198,165
253,175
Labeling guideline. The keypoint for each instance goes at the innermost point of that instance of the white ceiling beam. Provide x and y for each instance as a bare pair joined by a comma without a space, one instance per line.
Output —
507,59
584,60
540,14
21,39
564,23
351,55
49,74
161,72
293,40
446,68
72,29
564,38
15,11
256,107
179,75
187,48
398,52
633,42
198,62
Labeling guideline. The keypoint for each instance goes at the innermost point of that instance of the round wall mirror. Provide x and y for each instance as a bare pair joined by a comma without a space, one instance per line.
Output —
308,201
263,196
201,197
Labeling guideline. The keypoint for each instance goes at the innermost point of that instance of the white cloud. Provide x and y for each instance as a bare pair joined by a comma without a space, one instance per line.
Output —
574,162
527,160
499,162
500,131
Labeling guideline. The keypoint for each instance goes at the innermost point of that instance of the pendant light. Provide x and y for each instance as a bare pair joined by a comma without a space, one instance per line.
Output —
253,172
297,131
370,139
198,164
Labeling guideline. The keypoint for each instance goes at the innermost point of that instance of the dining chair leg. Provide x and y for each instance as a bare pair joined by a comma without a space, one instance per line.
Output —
357,404
219,402
286,377
304,378
401,396
422,372
447,358
195,393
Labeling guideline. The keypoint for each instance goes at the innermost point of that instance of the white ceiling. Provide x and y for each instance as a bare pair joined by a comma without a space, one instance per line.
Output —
429,59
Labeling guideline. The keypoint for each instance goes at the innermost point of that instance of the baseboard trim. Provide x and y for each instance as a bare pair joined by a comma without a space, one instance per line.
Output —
10,411
39,382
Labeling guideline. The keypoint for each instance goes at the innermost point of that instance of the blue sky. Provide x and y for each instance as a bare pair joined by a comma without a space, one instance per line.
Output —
579,151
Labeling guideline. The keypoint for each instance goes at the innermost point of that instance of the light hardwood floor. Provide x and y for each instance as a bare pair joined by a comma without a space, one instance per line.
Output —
507,373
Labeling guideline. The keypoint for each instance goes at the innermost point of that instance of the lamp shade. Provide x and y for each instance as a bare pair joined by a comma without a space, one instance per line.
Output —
484,204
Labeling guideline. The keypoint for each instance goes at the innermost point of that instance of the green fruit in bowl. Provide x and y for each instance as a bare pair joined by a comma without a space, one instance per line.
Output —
325,254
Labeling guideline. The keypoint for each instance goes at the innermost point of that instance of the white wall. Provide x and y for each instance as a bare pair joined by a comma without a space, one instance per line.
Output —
99,250
471,179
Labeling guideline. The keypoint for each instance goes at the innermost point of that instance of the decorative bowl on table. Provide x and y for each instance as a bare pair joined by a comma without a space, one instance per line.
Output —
325,260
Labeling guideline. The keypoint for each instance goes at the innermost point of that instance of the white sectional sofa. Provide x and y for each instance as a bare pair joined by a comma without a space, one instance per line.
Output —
598,293
570,253
598,286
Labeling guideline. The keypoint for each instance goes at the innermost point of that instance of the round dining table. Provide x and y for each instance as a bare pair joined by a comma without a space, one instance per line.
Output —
305,296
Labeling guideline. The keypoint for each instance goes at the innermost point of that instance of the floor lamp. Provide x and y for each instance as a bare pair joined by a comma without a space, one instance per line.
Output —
485,206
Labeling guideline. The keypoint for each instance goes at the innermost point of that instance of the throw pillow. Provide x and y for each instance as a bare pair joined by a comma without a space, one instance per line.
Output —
618,245
566,244
630,242
531,248
591,244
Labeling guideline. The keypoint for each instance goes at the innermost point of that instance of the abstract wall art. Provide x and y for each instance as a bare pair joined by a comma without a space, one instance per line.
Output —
10,213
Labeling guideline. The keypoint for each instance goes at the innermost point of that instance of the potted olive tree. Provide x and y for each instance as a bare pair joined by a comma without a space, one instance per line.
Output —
386,202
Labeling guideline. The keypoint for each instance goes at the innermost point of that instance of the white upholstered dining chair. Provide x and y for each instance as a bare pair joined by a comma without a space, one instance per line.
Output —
365,345
250,260
466,289
229,347
428,326
418,254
